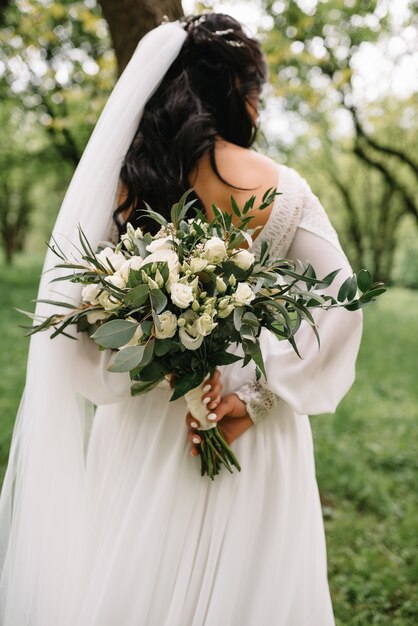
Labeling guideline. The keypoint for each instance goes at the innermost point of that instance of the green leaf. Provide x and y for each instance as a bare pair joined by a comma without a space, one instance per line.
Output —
148,354
238,313
258,358
364,280
115,334
127,359
158,300
235,206
343,291
162,346
352,290
250,319
224,358
137,296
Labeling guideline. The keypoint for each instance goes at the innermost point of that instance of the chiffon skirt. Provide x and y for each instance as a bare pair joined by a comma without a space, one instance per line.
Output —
158,545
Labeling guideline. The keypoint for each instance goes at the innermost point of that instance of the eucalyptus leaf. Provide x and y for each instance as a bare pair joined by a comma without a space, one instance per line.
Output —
158,300
137,296
115,334
127,359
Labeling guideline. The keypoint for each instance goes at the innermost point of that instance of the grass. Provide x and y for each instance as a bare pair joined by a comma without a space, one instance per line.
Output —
366,455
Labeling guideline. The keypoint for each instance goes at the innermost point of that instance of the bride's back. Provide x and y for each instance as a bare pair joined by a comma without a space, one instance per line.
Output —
250,173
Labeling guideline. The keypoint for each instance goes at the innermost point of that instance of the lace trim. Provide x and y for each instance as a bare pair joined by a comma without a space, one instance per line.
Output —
259,400
314,217
285,215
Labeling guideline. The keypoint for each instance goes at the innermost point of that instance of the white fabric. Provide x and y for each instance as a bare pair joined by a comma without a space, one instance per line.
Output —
158,544
44,483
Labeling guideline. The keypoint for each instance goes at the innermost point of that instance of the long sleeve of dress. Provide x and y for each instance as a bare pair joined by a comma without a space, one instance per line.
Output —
318,381
92,378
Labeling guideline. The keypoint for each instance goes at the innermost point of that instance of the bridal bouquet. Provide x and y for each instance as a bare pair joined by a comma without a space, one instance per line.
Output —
171,305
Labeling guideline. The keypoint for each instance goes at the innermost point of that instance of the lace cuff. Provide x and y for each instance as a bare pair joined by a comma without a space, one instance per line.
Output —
258,399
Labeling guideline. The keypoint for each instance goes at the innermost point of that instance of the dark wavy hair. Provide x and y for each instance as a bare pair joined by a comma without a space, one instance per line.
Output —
203,94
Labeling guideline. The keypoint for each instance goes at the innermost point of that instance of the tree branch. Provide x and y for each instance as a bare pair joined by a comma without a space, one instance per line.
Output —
405,158
390,178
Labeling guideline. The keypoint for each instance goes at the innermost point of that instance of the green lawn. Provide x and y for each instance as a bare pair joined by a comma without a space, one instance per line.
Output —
366,455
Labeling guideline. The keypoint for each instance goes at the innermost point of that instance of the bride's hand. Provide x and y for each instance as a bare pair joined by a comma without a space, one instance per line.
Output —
231,415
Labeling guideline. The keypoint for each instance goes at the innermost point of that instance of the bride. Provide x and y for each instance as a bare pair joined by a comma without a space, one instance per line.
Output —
104,517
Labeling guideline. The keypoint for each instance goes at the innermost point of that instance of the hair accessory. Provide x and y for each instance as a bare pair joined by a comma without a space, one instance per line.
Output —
191,24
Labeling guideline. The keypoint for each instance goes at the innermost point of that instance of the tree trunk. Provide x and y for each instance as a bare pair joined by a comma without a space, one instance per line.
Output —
130,20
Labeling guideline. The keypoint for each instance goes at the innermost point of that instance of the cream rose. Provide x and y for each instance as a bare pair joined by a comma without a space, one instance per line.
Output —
205,324
111,259
116,280
188,333
243,294
163,243
170,257
244,259
95,316
134,263
108,302
214,250
198,264
181,295
168,325
90,293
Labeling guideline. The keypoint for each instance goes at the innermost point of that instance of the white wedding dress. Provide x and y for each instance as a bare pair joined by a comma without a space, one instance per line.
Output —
155,544
158,545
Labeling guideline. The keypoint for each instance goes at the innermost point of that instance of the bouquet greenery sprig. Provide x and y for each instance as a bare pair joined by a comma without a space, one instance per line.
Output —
172,304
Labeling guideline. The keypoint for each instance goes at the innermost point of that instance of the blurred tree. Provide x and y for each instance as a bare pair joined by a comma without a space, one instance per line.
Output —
311,52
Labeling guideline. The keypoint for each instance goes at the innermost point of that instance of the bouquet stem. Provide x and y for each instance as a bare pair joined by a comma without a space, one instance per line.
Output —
214,450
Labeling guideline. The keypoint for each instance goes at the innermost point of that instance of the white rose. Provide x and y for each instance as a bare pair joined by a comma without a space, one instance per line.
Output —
163,243
214,250
244,259
170,257
188,333
205,324
191,343
181,295
95,316
108,302
244,294
136,339
108,256
90,293
116,280
197,264
168,325
134,263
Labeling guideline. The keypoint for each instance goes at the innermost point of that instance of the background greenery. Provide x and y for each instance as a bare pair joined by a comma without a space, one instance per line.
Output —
58,62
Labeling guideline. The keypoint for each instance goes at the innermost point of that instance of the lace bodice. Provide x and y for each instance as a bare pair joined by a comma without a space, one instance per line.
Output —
296,207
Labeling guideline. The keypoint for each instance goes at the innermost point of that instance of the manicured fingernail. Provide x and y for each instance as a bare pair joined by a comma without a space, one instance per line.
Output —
206,388
193,424
213,405
212,416
195,439
206,400
193,453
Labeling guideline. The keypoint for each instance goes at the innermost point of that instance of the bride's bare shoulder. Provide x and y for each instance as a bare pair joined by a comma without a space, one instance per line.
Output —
245,171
